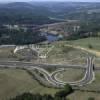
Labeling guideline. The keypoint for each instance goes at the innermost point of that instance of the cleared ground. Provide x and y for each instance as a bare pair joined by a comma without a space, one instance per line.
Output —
61,52
14,82
56,53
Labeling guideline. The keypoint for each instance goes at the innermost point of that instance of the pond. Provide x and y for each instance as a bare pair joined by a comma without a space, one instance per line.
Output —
52,37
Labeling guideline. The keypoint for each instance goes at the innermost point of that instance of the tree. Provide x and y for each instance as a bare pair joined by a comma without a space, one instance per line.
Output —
90,46
68,88
29,96
66,91
91,98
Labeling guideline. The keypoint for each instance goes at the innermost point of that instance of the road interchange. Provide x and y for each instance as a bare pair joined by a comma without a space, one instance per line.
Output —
88,77
51,77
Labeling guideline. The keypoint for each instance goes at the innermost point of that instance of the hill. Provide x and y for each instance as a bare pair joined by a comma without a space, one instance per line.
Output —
23,13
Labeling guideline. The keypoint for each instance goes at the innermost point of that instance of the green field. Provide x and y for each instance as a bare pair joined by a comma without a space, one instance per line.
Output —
97,62
71,75
94,89
78,95
62,54
7,53
95,84
15,82
93,41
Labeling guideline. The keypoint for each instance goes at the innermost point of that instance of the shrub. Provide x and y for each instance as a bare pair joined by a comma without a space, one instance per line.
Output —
90,46
66,91
91,98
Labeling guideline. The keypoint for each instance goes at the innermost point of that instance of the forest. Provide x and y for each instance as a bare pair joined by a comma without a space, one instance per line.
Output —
19,37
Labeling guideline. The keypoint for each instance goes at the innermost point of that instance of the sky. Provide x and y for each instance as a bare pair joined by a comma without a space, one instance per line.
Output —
48,0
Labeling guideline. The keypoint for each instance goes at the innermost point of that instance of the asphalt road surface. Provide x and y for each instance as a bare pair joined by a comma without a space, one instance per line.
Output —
88,77
51,78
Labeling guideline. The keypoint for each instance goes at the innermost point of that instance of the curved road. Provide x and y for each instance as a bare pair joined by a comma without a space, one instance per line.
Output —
88,78
51,78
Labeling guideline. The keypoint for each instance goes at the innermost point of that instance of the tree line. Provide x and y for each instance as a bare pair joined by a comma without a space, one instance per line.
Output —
60,95
20,37
87,29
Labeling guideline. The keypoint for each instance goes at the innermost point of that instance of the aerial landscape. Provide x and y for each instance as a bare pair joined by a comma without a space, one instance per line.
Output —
49,50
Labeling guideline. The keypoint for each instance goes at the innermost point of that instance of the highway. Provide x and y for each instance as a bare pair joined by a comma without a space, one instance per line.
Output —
20,64
51,77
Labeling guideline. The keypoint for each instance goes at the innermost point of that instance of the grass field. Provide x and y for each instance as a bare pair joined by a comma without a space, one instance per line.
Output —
97,62
71,75
7,53
59,54
93,41
78,95
62,54
95,86
14,82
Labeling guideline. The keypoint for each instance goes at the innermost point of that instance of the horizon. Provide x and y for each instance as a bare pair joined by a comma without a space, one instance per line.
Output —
9,1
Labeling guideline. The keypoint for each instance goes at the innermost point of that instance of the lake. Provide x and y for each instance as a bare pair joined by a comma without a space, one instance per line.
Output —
52,37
